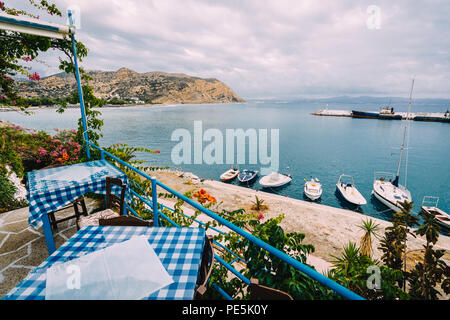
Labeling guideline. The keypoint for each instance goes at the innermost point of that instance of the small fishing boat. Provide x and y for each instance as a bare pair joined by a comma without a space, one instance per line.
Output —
247,175
313,189
274,180
389,114
365,114
347,189
229,174
430,205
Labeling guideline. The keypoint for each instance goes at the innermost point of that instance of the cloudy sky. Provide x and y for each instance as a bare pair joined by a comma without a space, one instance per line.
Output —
272,49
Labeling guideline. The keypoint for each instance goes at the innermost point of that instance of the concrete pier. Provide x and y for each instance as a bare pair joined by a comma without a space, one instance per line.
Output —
416,116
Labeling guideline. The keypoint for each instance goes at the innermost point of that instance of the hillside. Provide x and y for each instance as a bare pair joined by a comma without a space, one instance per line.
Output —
126,84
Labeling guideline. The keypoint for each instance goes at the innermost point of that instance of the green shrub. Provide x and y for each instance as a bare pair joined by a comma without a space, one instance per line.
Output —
8,155
7,201
8,191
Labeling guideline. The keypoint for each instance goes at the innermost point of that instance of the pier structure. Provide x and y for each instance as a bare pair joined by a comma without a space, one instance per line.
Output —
416,116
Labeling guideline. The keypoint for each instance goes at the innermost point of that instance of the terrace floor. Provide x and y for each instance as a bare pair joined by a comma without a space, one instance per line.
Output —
22,248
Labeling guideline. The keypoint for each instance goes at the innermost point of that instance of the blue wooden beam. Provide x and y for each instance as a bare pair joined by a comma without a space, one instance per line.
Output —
80,89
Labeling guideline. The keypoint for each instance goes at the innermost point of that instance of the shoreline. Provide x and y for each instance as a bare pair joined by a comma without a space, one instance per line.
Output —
327,228
147,105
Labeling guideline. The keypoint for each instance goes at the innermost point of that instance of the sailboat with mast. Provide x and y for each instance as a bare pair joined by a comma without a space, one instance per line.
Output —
386,187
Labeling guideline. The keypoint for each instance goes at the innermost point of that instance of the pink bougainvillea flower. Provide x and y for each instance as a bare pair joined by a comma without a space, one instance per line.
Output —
2,5
42,151
34,77
27,58
2,96
260,216
38,161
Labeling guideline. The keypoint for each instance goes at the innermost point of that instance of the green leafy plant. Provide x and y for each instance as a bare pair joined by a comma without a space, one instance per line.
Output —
139,185
352,270
370,229
433,271
393,244
268,269
7,201
258,204
19,49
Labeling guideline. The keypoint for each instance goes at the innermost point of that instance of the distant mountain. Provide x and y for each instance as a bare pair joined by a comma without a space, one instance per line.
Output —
126,84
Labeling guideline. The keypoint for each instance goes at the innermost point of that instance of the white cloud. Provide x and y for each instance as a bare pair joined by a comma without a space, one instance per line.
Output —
272,47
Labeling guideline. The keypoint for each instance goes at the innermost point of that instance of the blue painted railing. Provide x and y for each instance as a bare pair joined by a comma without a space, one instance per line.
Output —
153,204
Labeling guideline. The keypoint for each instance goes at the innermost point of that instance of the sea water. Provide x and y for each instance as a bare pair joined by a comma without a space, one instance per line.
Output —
317,146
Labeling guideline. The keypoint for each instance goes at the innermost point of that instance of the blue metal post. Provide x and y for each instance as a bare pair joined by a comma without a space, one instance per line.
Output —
80,89
155,203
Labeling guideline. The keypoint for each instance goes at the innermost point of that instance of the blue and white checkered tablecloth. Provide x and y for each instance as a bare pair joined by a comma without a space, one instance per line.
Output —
51,189
179,249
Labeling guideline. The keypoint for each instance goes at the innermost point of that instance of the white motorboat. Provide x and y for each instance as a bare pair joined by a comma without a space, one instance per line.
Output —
430,205
275,179
247,175
347,189
390,192
313,189
229,174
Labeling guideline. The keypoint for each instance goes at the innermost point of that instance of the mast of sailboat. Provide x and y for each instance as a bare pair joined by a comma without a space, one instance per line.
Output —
395,182
409,128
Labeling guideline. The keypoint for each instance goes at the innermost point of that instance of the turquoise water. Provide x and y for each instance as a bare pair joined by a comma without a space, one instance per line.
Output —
323,147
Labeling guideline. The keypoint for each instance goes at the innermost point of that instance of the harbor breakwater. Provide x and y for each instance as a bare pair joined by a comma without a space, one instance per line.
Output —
416,116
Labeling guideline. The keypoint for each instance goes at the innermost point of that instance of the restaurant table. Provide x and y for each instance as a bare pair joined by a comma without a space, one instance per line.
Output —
52,189
179,249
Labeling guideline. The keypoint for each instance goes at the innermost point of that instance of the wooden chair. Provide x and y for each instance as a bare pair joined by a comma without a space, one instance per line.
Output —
126,221
206,267
111,201
260,292
79,207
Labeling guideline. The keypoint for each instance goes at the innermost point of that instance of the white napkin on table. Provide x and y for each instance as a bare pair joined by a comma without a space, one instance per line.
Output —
128,270
74,173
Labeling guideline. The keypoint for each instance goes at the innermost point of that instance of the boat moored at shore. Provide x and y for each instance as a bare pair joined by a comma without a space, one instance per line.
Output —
313,189
229,175
430,205
391,193
347,189
274,180
388,193
247,175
